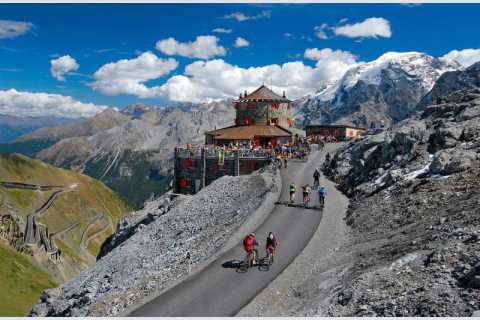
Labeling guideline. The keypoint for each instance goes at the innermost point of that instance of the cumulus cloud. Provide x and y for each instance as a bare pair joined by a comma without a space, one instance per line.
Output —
12,29
61,66
222,30
239,16
331,63
204,47
320,31
465,57
369,28
30,104
127,76
241,42
217,79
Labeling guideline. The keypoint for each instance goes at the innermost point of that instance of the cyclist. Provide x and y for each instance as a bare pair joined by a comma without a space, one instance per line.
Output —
322,193
278,161
249,244
271,245
316,178
327,157
285,161
293,190
306,194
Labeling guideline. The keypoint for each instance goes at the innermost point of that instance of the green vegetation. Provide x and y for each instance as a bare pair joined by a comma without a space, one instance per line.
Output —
21,283
29,148
139,184
72,214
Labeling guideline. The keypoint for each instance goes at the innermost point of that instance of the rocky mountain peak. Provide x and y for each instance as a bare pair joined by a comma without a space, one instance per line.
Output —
386,89
136,110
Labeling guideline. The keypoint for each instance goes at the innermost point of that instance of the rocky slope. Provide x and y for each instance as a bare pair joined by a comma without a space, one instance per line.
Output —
387,89
131,151
453,81
413,216
55,219
158,238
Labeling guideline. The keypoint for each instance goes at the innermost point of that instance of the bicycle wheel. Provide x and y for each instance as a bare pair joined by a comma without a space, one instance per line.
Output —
242,267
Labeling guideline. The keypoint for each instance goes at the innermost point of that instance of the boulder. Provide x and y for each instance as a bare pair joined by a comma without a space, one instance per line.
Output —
450,161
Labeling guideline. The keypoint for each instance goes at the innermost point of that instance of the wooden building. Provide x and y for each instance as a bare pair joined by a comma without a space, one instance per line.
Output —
339,132
262,118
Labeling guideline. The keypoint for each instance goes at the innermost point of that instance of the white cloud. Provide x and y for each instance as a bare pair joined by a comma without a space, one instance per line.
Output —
241,42
331,63
320,31
61,66
12,29
465,57
239,16
22,103
222,30
216,79
204,47
371,27
128,76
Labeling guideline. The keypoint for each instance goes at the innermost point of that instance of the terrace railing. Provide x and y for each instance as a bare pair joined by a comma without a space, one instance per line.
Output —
196,153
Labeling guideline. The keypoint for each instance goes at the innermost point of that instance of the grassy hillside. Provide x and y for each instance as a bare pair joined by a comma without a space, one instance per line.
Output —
21,283
81,216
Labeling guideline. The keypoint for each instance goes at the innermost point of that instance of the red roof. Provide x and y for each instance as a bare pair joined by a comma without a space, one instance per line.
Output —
248,132
264,94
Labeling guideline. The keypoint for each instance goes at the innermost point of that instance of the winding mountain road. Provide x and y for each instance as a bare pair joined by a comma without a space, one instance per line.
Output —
221,291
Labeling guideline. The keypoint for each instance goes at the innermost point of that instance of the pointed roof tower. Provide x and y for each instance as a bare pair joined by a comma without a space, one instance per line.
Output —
264,94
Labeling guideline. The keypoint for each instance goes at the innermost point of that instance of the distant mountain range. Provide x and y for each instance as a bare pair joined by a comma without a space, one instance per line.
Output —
129,150
12,127
387,89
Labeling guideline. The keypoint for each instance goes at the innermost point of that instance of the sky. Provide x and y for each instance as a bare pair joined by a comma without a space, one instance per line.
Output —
73,60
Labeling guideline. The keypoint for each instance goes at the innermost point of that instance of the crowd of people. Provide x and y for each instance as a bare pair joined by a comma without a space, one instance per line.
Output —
298,150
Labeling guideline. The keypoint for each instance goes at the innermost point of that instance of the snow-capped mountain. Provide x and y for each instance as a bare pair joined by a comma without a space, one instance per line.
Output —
453,81
386,89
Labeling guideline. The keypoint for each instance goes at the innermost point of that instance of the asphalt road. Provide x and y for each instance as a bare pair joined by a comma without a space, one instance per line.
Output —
221,291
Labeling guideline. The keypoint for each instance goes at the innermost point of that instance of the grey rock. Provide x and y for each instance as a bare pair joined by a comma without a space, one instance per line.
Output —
452,161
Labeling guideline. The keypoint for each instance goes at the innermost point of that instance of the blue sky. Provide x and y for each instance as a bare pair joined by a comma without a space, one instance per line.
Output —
96,34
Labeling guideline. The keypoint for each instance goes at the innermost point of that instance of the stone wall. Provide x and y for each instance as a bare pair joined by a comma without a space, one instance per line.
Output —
259,112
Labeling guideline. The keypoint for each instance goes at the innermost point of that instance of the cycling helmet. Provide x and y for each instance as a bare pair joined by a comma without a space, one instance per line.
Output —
252,234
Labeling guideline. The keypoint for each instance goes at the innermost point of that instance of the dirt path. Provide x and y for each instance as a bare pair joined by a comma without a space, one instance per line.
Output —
93,221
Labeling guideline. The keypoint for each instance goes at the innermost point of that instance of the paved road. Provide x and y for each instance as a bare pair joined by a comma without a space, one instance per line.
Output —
219,291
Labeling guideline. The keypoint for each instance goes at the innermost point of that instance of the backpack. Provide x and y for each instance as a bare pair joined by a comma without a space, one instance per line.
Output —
248,242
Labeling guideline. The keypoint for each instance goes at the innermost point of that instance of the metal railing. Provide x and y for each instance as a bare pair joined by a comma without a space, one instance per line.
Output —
214,152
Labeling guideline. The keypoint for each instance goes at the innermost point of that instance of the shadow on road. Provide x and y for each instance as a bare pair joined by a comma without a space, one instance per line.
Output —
299,205
232,264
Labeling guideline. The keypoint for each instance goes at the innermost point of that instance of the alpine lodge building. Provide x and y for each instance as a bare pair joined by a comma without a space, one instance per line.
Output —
262,119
